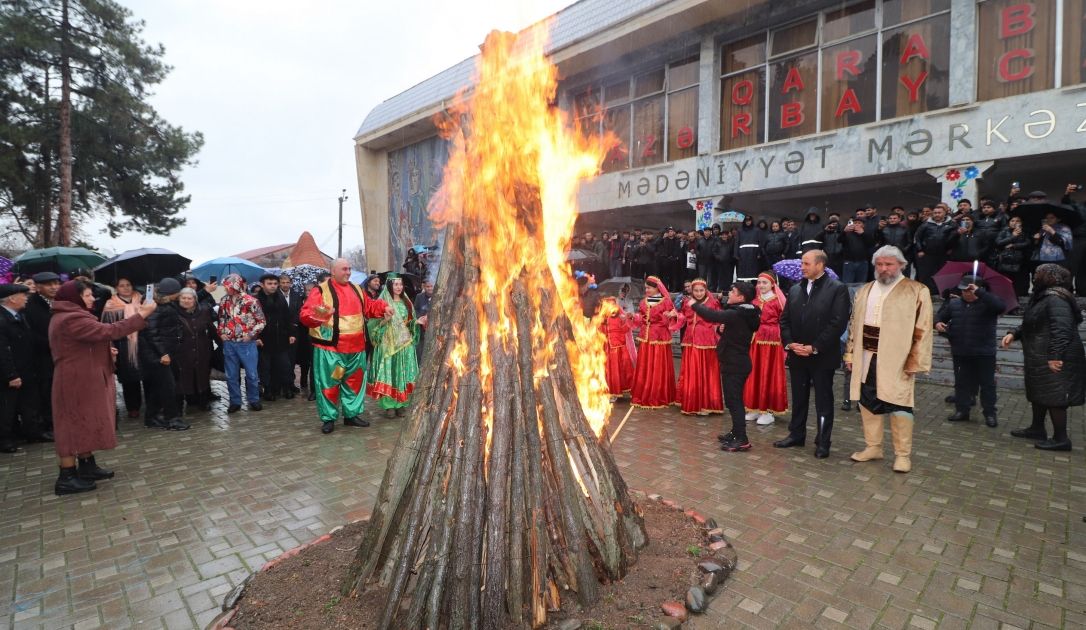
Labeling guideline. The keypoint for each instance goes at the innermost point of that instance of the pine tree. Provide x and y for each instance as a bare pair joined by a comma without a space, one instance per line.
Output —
78,137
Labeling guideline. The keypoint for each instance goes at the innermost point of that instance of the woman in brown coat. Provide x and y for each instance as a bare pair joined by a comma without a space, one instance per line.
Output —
84,393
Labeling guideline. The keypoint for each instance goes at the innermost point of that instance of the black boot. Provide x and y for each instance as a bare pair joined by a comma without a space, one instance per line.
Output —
89,469
69,483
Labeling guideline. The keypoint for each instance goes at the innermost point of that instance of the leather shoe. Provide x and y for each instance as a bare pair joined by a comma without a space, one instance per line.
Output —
991,421
846,405
8,447
1030,433
822,451
789,442
289,394
328,427
255,406
355,422
959,416
1052,444
312,396
950,399
233,408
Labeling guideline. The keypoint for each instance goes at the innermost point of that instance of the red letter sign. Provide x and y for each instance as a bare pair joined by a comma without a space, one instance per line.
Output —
847,61
848,103
1026,71
743,92
1016,19
791,115
685,138
915,47
793,81
741,124
913,85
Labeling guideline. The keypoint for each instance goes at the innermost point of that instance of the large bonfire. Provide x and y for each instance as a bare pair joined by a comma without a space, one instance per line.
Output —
502,498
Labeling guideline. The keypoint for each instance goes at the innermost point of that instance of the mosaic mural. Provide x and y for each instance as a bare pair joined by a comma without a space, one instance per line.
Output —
414,175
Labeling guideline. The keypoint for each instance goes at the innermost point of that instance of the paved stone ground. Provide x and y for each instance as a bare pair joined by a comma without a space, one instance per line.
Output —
985,532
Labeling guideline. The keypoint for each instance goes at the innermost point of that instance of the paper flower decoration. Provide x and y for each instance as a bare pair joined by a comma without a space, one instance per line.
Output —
972,172
953,175
957,193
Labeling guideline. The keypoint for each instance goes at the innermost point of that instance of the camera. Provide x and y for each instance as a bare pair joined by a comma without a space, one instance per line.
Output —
1075,187
1017,185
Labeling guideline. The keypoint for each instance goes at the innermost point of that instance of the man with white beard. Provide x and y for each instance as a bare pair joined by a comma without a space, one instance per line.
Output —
886,364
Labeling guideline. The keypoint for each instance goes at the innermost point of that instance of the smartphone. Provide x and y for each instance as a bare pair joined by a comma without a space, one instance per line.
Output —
1076,187
149,291
850,222
213,279
1017,185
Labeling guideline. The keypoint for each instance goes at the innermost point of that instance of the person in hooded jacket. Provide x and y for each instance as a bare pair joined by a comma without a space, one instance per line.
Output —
724,261
1055,363
738,320
809,234
776,244
832,245
931,243
157,350
749,250
705,250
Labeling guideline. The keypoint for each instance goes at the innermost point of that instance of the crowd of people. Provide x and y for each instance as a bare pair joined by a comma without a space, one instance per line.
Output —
756,330
338,341
929,237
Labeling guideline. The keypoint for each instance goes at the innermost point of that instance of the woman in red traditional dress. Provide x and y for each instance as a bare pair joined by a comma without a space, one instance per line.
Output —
766,393
699,375
616,326
654,374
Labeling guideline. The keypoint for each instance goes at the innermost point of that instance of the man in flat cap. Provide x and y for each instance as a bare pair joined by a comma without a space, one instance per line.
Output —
18,385
38,313
276,340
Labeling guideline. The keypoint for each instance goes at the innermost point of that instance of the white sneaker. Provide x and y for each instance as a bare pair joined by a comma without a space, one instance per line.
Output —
752,415
765,419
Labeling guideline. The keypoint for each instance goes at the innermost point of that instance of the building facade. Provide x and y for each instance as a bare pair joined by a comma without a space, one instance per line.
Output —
771,108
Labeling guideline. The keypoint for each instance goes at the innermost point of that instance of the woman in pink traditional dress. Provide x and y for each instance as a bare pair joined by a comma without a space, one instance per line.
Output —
616,325
699,389
654,374
766,392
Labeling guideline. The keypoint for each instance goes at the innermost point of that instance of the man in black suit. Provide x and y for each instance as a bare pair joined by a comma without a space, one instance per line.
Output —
38,314
294,300
812,323
276,340
18,385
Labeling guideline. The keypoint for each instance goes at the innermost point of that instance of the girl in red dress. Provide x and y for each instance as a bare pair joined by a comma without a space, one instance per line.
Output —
766,393
654,374
699,375
616,326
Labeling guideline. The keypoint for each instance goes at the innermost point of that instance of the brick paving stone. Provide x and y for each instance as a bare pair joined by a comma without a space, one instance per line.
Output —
981,534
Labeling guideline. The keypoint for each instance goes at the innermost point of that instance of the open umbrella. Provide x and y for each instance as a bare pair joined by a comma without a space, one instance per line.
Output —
1033,213
141,266
222,267
56,259
1000,285
791,269
303,274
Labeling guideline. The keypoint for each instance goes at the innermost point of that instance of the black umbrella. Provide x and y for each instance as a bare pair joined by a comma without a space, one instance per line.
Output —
1033,214
141,266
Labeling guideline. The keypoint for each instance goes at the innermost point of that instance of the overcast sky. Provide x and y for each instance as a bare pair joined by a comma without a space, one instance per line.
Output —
278,89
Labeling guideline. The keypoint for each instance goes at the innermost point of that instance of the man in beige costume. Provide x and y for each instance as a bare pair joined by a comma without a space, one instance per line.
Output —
889,340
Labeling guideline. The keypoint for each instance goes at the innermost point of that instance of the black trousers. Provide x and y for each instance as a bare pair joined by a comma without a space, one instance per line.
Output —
304,360
732,384
971,374
133,394
801,378
161,388
18,405
276,370
44,388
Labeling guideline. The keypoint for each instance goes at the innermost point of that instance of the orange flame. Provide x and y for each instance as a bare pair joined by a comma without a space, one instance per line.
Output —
511,148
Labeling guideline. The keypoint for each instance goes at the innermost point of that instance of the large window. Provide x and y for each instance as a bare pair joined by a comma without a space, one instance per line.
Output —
1017,54
1074,50
651,116
857,63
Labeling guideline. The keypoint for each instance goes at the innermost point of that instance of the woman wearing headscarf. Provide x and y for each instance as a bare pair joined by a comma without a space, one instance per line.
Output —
193,356
766,392
122,305
699,390
394,367
84,416
654,374
1055,362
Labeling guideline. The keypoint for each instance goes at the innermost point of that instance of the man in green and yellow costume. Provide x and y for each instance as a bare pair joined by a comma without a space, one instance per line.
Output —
335,314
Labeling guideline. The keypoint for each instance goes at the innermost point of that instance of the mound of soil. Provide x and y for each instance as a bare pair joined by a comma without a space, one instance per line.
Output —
302,592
